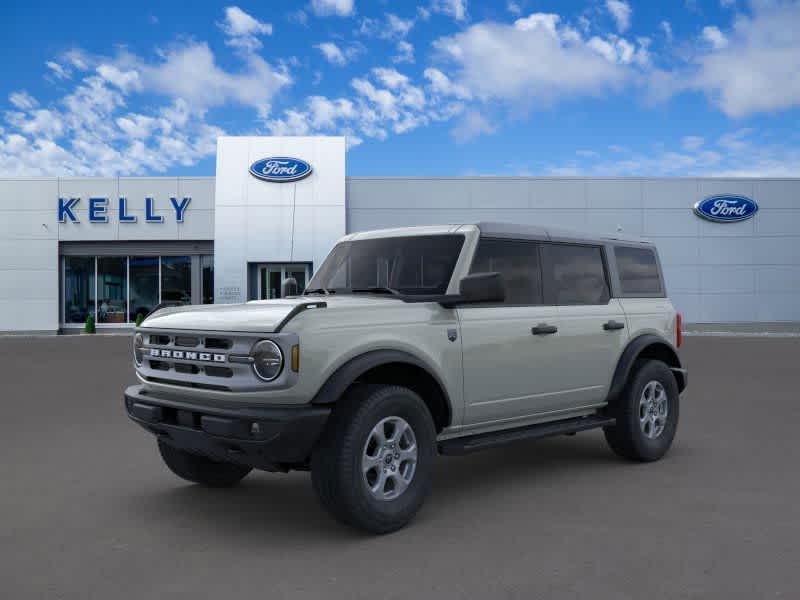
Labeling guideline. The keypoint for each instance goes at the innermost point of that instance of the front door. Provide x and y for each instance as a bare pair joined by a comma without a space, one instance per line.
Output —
271,277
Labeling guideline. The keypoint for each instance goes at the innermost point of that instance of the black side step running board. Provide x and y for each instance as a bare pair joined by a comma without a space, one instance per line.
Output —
482,441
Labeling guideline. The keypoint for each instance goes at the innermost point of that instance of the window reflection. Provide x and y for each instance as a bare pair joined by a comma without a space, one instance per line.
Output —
112,289
176,279
207,269
78,288
144,285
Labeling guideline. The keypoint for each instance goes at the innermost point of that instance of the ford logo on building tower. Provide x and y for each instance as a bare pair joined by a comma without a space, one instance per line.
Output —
280,169
726,208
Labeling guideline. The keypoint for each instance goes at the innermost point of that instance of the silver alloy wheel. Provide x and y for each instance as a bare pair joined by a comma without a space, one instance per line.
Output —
389,459
653,409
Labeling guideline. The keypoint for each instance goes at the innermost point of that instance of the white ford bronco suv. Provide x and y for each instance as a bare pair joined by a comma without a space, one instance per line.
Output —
413,342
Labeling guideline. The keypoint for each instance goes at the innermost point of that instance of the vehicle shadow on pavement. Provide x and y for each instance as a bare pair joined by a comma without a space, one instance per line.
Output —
275,507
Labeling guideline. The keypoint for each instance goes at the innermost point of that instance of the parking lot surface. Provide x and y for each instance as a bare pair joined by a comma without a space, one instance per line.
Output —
87,510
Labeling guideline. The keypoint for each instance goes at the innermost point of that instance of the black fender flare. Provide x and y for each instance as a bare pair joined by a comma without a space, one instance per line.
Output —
650,345
349,372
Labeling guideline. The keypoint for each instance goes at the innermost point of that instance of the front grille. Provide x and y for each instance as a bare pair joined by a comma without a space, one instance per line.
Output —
184,368
213,343
218,371
195,360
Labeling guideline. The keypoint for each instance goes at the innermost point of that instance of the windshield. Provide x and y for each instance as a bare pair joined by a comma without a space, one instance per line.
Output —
403,265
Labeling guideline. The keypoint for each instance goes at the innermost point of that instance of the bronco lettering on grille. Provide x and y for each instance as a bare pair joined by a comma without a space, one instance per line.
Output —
201,356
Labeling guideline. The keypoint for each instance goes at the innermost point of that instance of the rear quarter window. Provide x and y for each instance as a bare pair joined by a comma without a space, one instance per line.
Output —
638,271
575,274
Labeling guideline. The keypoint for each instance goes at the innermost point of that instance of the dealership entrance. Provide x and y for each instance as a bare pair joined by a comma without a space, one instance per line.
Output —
269,278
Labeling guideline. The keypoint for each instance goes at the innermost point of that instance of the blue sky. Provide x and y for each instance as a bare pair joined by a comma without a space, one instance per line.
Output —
439,87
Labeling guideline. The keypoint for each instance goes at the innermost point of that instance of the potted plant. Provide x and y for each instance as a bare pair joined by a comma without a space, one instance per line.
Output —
89,327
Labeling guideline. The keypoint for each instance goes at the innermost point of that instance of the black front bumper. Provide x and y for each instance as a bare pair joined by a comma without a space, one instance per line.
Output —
270,438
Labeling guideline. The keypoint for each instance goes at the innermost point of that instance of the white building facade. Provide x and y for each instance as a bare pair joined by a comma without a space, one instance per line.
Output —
115,248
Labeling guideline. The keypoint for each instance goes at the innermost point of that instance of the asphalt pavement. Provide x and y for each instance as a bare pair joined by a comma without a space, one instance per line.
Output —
87,510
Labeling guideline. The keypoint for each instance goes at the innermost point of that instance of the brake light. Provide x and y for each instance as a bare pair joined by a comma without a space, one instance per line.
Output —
678,330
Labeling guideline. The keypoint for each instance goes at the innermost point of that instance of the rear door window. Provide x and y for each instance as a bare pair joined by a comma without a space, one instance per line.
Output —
574,274
638,271
517,262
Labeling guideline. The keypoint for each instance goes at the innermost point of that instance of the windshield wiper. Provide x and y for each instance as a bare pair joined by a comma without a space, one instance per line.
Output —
376,290
319,290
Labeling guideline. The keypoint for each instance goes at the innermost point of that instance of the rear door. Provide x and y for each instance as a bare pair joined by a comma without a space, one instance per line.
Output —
592,329
509,371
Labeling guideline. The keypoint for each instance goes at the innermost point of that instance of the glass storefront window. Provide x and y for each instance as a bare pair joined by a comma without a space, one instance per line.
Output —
112,289
207,270
144,285
127,286
78,288
176,279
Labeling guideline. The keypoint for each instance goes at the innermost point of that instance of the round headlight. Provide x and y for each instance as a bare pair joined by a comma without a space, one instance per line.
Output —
267,360
138,349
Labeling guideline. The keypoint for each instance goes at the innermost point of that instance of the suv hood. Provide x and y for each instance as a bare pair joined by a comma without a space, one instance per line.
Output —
262,316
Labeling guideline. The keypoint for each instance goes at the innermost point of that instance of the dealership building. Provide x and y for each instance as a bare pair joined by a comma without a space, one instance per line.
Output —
116,247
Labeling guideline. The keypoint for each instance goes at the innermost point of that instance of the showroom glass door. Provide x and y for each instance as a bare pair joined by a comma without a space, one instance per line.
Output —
271,276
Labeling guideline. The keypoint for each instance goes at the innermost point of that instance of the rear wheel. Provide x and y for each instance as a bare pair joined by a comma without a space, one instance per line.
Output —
199,469
646,413
372,467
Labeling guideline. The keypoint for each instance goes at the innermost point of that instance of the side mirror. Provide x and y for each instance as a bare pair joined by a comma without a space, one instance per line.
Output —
482,287
289,287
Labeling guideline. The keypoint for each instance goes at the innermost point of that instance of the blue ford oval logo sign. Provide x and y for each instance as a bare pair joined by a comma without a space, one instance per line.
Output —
726,209
280,169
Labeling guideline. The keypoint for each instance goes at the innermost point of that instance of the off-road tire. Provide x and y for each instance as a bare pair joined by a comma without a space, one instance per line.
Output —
336,471
199,469
626,437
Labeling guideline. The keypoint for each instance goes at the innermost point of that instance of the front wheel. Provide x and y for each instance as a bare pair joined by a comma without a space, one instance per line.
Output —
646,413
372,467
199,469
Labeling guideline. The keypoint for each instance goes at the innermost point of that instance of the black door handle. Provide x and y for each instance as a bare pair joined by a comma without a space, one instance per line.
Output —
543,329
612,325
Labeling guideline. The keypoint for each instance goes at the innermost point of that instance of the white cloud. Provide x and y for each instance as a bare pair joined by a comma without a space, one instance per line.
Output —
391,27
298,16
440,84
514,8
191,72
735,154
336,55
397,26
621,11
727,3
453,8
243,29
385,101
715,37
537,60
91,131
758,70
666,27
339,8
127,80
22,100
692,143
472,124
405,53
58,70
